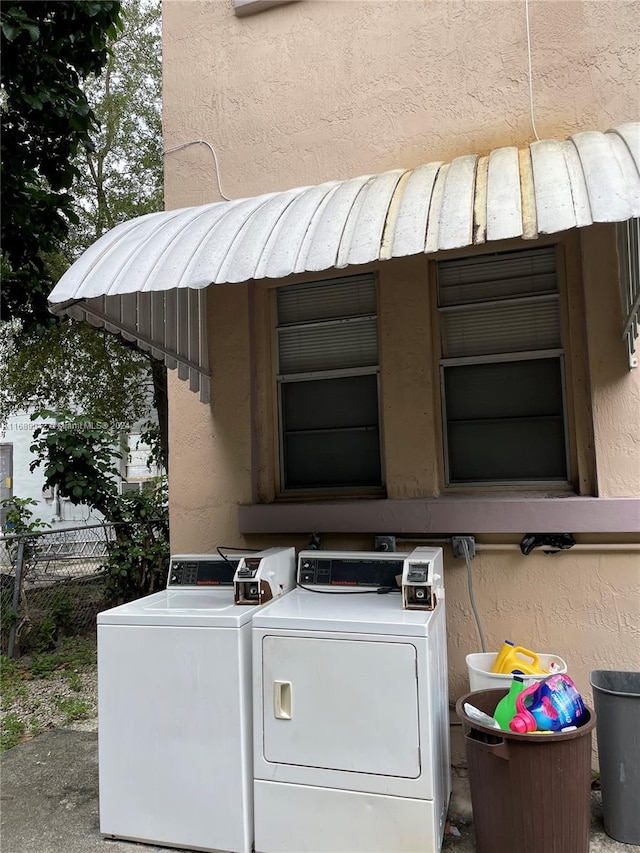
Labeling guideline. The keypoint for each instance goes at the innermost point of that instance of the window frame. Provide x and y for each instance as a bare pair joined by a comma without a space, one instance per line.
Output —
525,356
561,353
578,506
628,245
280,379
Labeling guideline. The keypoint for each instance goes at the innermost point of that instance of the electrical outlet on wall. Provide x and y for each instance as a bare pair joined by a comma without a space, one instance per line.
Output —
384,543
458,547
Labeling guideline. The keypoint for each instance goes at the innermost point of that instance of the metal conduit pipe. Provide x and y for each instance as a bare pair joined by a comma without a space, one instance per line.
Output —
580,546
499,546
424,541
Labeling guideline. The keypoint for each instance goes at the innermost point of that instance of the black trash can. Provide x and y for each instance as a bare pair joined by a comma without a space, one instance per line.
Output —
616,698
531,792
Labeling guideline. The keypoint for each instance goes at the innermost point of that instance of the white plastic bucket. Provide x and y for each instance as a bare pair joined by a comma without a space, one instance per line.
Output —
481,677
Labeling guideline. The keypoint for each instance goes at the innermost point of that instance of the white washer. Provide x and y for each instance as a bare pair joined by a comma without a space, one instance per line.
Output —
174,706
351,718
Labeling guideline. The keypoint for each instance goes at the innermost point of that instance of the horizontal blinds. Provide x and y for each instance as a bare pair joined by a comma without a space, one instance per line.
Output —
327,326
500,276
330,347
504,303
502,328
346,297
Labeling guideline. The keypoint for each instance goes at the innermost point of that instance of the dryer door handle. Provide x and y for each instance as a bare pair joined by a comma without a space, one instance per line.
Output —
282,700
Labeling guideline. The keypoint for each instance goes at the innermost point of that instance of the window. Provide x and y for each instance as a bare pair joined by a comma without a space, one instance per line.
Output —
328,384
128,487
628,234
502,369
137,472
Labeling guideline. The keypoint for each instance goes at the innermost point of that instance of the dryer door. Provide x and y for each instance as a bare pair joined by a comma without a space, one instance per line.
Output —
344,705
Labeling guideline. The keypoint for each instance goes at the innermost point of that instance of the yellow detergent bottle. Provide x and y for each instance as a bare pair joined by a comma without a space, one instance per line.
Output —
512,658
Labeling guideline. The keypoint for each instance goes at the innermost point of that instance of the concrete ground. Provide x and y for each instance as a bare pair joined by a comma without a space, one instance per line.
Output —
49,796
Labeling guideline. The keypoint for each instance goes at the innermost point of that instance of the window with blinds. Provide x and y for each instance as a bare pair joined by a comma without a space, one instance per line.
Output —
328,384
502,368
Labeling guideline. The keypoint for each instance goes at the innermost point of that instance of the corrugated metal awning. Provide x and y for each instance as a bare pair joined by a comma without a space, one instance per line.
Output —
144,279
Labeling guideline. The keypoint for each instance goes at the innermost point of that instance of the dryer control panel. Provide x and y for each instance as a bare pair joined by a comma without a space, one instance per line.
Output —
202,570
355,568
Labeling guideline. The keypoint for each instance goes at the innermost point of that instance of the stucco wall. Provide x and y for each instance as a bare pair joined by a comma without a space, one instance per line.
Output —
323,89
318,90
407,381
581,605
210,447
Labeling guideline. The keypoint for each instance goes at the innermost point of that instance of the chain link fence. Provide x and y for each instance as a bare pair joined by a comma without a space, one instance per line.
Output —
52,584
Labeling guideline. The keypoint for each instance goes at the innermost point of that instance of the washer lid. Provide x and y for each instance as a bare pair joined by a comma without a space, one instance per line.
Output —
347,612
202,607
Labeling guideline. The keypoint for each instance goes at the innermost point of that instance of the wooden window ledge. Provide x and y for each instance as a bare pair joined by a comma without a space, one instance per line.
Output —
447,515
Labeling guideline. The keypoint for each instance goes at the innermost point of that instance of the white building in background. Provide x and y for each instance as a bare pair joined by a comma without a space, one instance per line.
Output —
17,479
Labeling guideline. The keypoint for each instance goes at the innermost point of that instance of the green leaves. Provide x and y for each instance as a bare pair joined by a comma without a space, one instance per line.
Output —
82,144
47,49
17,22
82,151
79,457
139,557
74,367
19,517
34,101
122,176
10,30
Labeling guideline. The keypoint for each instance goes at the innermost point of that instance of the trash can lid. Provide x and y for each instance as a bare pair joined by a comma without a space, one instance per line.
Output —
618,683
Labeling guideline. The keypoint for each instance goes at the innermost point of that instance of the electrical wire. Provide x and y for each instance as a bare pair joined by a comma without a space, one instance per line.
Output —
215,159
533,121
378,590
232,548
465,548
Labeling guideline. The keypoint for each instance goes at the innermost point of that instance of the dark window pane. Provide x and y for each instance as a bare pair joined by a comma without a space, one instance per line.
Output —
331,435
521,449
505,421
332,458
504,389
328,403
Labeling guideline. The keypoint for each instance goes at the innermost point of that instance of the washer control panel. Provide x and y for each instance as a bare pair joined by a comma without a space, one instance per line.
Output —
202,570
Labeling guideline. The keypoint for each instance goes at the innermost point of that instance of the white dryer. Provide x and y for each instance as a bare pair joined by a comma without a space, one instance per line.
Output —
351,717
174,703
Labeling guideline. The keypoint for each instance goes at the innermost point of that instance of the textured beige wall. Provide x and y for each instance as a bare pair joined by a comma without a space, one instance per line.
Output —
322,89
319,90
408,384
581,605
210,459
